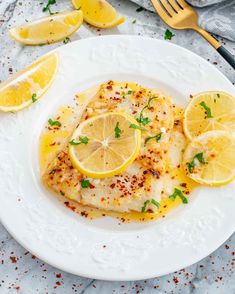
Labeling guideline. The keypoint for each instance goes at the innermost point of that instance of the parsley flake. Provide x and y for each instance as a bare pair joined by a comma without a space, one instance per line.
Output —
48,6
147,202
157,137
54,123
134,126
117,131
81,140
192,164
180,194
34,99
145,120
66,40
207,109
168,35
85,183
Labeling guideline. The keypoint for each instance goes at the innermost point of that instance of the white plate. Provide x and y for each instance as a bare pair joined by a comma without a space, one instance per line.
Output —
101,248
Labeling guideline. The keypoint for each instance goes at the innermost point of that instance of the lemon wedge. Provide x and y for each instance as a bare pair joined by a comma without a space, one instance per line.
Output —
207,111
48,29
105,145
99,13
29,84
209,158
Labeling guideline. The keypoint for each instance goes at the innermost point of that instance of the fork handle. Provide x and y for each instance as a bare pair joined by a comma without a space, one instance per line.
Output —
227,55
217,45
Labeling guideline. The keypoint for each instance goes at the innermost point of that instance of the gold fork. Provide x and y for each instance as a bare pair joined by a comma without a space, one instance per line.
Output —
179,15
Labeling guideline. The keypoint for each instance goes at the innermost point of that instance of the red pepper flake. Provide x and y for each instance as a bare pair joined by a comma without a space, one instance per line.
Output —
94,286
226,246
84,213
233,253
102,199
13,259
34,257
175,279
58,283
91,186
58,276
26,253
112,185
17,288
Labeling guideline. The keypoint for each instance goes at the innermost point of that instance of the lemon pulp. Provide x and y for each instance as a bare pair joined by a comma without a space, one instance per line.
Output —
105,154
207,111
98,13
29,84
48,29
212,159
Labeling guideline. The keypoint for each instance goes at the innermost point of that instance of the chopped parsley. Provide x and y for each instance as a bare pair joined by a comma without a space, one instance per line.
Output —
207,109
85,183
192,164
147,202
134,126
48,6
34,99
81,140
157,137
66,40
117,131
123,93
140,9
145,120
168,35
54,123
180,194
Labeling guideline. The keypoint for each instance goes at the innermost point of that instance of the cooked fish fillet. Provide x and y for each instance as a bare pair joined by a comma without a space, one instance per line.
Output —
142,181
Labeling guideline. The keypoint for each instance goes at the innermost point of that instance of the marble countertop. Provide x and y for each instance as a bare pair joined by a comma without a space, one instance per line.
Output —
21,272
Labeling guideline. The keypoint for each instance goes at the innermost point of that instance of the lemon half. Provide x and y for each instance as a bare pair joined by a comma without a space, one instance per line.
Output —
210,158
105,145
99,13
29,84
48,29
207,111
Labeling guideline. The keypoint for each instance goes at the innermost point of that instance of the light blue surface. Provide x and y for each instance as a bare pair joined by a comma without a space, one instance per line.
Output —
20,272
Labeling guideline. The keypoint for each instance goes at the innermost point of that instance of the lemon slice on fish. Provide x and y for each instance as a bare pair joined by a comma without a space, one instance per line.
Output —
50,29
207,111
99,13
105,145
29,84
209,158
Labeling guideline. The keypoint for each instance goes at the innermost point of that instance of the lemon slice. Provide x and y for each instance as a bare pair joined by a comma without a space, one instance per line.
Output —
209,158
99,13
29,84
105,145
207,111
48,29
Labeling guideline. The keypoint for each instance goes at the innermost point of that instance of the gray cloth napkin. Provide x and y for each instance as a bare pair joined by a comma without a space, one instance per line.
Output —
215,16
